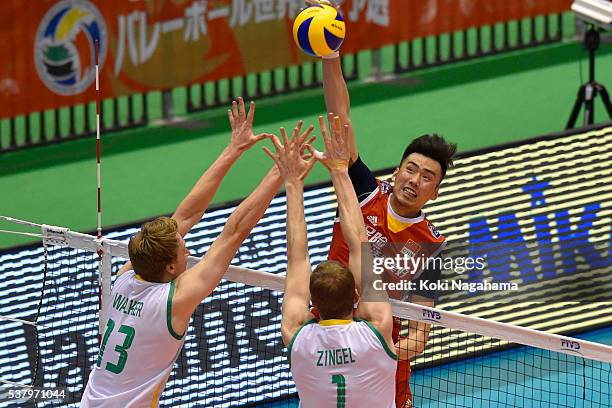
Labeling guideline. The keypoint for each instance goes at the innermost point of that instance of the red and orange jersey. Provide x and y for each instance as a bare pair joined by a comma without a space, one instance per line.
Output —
391,234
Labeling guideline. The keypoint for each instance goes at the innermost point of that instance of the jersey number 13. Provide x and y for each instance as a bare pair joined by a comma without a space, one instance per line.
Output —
122,349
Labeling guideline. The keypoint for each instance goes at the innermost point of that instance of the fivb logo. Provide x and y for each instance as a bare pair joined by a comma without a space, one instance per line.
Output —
431,315
570,345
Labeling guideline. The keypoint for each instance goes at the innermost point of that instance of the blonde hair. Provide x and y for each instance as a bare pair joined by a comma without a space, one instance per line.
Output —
332,290
153,248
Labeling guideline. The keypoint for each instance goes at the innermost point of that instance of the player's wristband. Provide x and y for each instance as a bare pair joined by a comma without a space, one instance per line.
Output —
332,55
338,164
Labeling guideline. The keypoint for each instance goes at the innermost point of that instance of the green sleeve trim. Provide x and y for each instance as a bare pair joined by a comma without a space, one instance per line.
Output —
169,314
311,321
380,337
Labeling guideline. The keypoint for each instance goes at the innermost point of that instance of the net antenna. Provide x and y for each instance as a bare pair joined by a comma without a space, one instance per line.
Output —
598,15
105,260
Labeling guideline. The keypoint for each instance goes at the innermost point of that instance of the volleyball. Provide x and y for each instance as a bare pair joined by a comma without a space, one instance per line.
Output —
319,30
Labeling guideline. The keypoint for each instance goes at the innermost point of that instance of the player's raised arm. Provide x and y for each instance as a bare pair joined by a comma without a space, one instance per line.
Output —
199,281
337,98
192,208
336,159
294,168
196,283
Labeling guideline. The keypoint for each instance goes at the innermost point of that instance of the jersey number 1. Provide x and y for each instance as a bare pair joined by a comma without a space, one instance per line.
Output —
340,382
129,332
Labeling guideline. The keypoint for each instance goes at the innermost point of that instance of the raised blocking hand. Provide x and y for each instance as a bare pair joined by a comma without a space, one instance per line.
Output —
290,159
242,126
337,152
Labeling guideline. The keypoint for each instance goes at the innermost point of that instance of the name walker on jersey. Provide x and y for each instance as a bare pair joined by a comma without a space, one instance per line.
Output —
126,305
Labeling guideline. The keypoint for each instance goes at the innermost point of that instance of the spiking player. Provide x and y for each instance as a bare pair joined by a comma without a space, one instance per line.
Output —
151,306
338,361
392,213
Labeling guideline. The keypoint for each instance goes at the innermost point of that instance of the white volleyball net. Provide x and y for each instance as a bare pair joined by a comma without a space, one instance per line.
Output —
234,357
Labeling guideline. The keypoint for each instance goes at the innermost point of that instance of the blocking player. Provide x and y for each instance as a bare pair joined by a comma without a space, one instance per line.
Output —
393,215
339,360
151,306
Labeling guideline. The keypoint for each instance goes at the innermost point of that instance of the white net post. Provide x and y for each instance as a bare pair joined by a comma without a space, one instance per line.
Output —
105,267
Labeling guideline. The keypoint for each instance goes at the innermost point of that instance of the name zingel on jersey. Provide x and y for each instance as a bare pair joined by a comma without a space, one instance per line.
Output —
335,357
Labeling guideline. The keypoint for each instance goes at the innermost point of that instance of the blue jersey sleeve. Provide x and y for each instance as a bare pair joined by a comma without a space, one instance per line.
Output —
362,178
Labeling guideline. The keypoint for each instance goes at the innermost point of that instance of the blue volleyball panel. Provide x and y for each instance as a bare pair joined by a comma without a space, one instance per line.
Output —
333,42
50,31
339,17
302,36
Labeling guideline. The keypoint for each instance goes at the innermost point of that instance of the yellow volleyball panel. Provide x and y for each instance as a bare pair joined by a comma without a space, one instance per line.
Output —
310,12
337,28
316,36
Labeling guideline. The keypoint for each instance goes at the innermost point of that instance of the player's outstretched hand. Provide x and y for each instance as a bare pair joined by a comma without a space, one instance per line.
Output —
337,152
290,158
327,2
242,126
